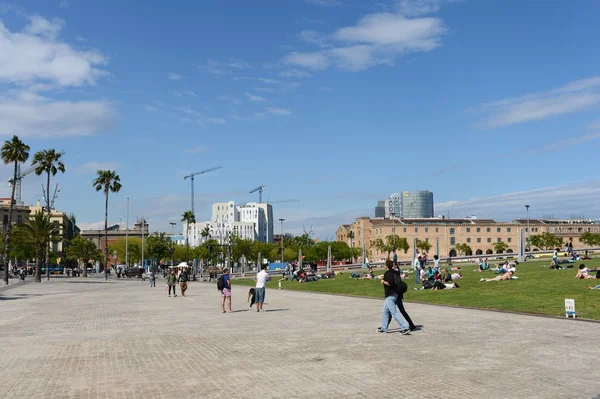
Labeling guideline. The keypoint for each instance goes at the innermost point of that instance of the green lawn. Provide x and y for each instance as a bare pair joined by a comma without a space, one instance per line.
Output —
538,290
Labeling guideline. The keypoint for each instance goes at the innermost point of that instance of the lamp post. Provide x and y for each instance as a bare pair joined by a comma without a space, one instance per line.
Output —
143,223
527,238
127,237
172,251
392,214
281,220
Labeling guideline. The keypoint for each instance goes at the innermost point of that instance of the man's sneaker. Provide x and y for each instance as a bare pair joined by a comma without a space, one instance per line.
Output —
413,328
405,332
379,330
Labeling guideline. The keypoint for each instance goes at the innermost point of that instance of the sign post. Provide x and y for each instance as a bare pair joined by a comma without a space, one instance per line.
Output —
569,308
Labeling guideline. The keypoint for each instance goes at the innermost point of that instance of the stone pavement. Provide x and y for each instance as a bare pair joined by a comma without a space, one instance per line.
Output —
123,339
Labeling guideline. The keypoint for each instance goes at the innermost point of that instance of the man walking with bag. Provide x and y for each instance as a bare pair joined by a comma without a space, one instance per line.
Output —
183,280
391,285
261,280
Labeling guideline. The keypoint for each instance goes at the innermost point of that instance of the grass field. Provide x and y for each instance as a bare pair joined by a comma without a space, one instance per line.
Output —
538,290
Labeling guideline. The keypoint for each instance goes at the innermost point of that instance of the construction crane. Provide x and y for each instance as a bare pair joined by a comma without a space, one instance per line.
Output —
17,181
54,196
260,190
282,201
191,177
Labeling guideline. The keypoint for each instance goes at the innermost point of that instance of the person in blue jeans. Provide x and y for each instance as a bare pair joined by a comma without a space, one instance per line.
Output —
152,279
389,305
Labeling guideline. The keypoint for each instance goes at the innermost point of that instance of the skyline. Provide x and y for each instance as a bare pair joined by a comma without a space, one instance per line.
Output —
334,103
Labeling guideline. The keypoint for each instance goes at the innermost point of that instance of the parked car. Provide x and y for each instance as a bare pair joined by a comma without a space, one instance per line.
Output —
135,272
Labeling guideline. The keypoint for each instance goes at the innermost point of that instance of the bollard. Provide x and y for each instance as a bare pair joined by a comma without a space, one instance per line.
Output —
280,285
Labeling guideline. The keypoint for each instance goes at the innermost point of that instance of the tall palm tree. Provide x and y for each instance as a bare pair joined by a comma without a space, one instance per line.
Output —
48,161
189,218
107,181
205,233
14,151
38,231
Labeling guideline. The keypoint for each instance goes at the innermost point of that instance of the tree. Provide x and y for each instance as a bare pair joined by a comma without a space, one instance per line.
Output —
545,240
83,251
500,247
135,248
390,243
158,246
423,246
463,249
351,238
48,162
107,181
188,218
205,233
590,239
15,152
38,231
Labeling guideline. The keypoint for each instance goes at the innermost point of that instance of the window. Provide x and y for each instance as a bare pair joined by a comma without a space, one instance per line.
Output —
499,230
479,239
452,230
488,230
489,239
468,239
468,229
426,229
416,229
479,229
499,239
405,229
452,241
427,240
509,239
436,229
508,229
19,218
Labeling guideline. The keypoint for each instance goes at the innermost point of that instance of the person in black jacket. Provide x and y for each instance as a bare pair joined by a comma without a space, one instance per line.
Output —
390,287
400,305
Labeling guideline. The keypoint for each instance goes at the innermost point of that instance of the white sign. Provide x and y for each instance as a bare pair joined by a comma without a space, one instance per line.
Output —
569,307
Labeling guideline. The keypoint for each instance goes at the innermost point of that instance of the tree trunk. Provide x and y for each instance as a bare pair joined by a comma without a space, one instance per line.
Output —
106,235
9,227
38,265
85,268
50,218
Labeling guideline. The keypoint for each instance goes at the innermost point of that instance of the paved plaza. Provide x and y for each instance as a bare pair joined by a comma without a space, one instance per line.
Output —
71,338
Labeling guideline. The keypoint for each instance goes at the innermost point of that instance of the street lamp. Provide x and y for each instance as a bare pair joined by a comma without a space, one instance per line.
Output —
527,207
392,214
127,237
172,251
281,220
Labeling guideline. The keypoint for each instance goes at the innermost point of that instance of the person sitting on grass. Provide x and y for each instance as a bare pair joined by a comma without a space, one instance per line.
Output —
447,277
592,288
438,285
423,275
483,266
430,274
505,276
456,276
582,273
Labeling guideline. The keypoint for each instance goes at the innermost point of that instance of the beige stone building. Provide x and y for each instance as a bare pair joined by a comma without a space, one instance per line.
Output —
445,234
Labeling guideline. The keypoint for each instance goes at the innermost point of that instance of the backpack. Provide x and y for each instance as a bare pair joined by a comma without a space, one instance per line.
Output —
400,285
220,283
184,277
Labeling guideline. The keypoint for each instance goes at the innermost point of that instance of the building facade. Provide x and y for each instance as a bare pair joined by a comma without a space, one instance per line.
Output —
380,209
444,234
115,232
417,204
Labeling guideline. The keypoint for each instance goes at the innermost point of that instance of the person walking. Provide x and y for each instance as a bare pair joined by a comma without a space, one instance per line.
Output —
171,282
395,258
390,284
183,280
153,279
417,266
226,292
400,305
261,280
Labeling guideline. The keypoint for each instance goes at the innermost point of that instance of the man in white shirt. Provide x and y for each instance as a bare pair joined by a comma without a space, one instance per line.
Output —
261,280
417,266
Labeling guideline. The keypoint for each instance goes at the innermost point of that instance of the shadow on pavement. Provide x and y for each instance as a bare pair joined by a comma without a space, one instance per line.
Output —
276,310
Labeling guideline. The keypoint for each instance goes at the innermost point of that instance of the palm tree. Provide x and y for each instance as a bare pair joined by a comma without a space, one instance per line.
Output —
107,181
351,238
205,233
48,161
83,251
188,218
14,151
38,231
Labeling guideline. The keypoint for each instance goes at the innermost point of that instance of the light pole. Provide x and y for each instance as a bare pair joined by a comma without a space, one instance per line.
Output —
127,237
172,251
527,238
281,220
392,214
143,223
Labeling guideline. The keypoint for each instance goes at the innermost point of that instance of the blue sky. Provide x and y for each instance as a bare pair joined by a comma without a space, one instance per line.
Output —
336,103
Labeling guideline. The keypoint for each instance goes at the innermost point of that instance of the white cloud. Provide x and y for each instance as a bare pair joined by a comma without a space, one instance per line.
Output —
64,4
595,125
230,99
93,167
325,3
195,149
577,96
294,73
36,56
174,76
189,93
239,64
81,39
561,201
314,37
31,115
196,117
412,8
254,98
254,117
92,225
213,67
375,39
278,111
150,108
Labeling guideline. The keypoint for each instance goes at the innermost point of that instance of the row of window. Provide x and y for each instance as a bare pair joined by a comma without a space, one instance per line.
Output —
453,230
489,239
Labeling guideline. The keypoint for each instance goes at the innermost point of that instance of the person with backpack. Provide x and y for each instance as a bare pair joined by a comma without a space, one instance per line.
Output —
391,284
152,279
171,282
183,280
224,286
402,289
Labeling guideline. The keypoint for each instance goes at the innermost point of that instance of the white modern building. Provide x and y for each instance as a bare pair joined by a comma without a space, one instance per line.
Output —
251,221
